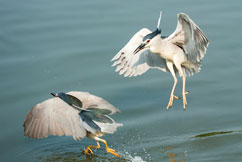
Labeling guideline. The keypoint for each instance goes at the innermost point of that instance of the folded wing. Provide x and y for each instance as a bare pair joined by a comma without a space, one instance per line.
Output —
88,100
99,121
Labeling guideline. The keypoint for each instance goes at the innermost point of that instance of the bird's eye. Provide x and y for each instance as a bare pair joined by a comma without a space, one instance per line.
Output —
148,41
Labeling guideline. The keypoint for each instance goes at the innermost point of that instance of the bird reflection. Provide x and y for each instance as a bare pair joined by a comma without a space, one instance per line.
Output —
172,156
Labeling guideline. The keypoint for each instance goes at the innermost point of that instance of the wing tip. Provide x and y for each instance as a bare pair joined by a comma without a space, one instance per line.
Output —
183,16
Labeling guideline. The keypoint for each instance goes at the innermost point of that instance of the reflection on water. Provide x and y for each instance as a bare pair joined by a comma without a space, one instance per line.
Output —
125,157
78,157
72,151
174,157
67,45
81,157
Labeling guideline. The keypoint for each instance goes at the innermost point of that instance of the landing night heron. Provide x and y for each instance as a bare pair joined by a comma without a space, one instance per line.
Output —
180,53
77,114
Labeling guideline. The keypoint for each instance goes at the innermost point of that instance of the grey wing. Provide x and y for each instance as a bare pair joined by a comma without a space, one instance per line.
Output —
149,60
98,117
53,117
100,110
88,100
190,37
106,123
130,64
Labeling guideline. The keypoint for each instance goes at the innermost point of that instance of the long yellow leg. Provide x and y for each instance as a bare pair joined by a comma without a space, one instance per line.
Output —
184,92
181,72
170,67
172,95
111,151
88,149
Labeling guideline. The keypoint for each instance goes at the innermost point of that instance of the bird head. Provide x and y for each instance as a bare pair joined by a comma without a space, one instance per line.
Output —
148,39
69,99
63,97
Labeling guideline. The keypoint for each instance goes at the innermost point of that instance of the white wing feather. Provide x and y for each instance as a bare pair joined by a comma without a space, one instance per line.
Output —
108,127
190,37
53,117
130,64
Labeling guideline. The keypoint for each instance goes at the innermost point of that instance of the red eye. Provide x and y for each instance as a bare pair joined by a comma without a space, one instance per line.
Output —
148,41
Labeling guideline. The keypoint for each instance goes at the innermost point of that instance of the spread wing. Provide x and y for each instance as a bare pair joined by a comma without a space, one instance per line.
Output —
190,37
56,117
130,64
53,117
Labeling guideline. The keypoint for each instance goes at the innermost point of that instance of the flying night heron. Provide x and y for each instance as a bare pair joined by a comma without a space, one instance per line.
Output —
180,53
77,114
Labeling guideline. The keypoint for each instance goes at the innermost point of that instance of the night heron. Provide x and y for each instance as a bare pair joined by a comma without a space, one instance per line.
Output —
180,53
77,114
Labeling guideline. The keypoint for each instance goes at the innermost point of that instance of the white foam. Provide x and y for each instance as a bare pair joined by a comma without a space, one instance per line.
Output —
131,158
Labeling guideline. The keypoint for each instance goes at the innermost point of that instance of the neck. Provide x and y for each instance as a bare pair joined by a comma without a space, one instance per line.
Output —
156,45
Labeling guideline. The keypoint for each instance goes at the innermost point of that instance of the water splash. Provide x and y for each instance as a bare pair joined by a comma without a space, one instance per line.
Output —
131,158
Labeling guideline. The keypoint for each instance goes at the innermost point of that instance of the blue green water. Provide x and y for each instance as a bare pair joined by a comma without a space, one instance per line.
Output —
54,46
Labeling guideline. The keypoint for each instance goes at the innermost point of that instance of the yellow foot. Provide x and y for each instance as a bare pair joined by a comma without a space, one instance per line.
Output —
88,150
176,97
171,101
111,151
187,92
185,99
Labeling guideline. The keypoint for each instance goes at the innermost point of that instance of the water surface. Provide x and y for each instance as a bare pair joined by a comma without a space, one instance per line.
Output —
54,46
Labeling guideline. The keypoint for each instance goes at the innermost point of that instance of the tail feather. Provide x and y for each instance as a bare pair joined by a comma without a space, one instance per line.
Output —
109,128
190,68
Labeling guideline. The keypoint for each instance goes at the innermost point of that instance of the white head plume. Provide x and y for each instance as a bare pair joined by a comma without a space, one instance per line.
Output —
158,24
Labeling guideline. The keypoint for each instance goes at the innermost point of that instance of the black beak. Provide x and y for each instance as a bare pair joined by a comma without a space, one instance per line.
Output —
141,46
54,94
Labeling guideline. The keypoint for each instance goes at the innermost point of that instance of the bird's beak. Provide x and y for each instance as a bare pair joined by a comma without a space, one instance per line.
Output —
54,94
141,46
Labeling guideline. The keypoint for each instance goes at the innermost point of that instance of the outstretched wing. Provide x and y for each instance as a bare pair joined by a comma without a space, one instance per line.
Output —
130,64
53,117
190,37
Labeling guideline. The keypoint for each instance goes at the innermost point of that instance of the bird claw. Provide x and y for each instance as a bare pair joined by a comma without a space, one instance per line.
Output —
88,150
112,151
171,101
185,99
187,92
109,150
176,97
